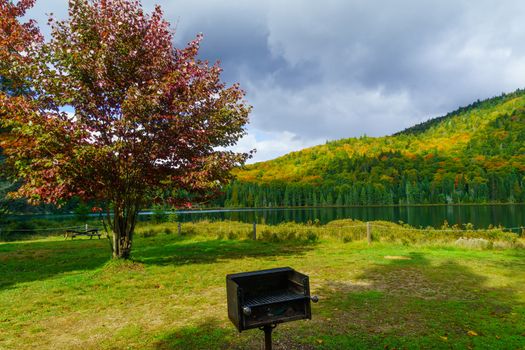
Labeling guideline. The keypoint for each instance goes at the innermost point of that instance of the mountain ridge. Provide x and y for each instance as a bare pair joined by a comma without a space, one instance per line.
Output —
479,147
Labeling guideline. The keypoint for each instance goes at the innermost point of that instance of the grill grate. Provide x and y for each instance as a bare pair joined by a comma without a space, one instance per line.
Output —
275,297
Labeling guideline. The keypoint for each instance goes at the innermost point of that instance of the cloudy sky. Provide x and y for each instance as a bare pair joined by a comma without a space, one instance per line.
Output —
323,70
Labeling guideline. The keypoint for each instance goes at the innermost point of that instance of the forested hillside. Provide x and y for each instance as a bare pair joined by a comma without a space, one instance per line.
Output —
475,154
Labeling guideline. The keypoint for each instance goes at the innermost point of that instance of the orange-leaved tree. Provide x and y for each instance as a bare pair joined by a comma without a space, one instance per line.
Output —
144,116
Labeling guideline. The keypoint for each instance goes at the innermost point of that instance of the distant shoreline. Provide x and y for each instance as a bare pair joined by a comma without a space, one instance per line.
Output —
215,209
351,206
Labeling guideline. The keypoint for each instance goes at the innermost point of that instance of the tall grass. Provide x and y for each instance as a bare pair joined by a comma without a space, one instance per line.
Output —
346,230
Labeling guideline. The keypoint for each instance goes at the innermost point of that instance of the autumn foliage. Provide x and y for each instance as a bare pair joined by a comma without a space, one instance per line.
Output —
144,117
475,154
15,39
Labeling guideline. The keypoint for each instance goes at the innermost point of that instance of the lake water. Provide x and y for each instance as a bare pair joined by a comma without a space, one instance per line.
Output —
481,216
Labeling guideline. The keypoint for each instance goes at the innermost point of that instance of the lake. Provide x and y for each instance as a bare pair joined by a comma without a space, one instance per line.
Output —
481,216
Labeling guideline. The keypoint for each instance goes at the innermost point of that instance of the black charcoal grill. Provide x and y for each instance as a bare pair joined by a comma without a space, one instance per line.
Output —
262,299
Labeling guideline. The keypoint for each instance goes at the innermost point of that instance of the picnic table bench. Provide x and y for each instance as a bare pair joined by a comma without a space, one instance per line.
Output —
90,233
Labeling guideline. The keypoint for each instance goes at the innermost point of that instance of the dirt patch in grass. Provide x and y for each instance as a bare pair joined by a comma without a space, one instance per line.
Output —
118,266
397,257
412,281
368,312
347,286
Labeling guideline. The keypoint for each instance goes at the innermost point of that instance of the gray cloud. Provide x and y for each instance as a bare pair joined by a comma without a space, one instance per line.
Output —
326,70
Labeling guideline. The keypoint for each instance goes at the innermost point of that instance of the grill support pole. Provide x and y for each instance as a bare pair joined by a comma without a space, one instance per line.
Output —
268,337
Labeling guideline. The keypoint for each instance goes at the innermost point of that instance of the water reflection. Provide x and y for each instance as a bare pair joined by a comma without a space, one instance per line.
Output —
481,216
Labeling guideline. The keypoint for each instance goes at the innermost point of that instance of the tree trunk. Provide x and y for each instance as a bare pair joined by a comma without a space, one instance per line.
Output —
122,243
124,220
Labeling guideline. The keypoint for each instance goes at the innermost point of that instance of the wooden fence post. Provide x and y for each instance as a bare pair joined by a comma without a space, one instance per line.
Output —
254,234
368,232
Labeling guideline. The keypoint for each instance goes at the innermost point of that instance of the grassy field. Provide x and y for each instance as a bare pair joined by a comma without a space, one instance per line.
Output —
57,294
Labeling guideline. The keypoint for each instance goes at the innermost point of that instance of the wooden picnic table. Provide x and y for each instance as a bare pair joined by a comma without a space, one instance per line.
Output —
90,233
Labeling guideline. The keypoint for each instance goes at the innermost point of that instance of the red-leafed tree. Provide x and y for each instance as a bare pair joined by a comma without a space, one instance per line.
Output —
147,117
15,39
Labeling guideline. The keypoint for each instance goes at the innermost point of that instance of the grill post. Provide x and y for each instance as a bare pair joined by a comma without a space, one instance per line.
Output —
268,336
254,233
368,232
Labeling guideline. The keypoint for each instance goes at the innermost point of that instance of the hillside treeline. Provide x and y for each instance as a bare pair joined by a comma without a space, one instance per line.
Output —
473,155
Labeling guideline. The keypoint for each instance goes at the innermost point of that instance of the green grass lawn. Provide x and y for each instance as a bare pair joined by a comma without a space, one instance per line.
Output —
57,294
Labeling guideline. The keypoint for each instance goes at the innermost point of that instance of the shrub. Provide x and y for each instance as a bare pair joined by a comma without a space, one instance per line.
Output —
159,215
82,211
347,238
311,236
232,235
149,233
